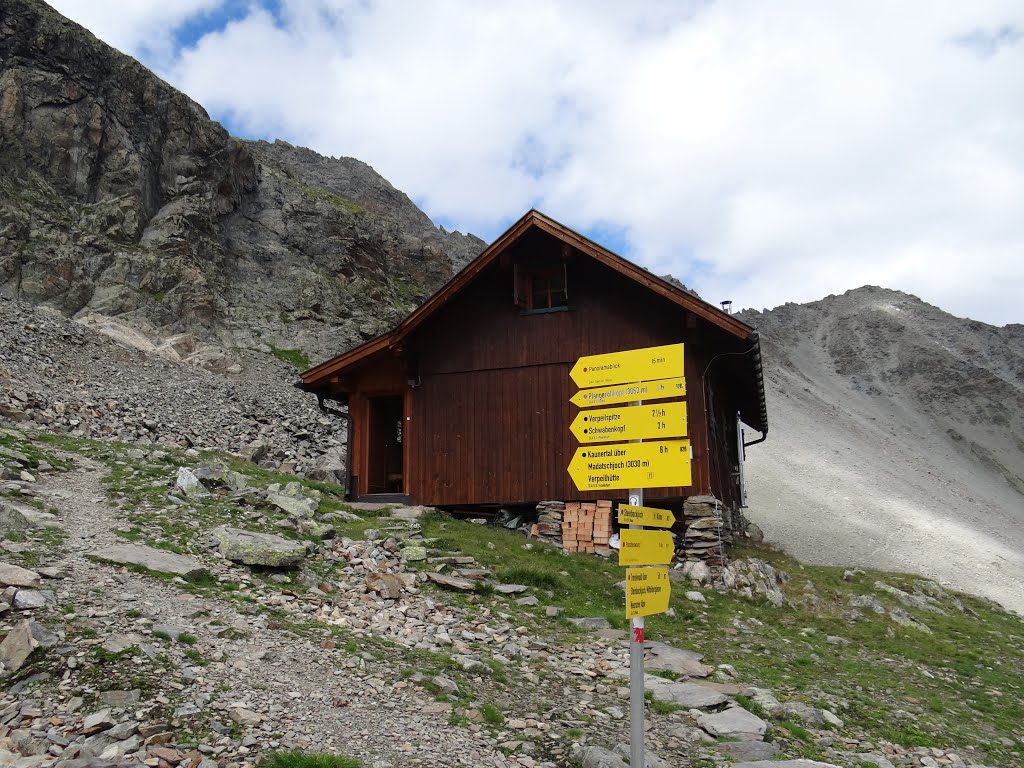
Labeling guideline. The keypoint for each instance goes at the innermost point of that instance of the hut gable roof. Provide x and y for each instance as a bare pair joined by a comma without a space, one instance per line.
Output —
316,376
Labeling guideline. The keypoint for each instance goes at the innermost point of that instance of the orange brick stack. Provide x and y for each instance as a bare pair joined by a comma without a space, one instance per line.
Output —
602,524
586,525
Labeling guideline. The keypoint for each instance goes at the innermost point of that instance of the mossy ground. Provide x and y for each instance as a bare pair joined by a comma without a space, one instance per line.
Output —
960,686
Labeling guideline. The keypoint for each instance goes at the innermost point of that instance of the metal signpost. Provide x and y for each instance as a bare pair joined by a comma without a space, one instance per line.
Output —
631,377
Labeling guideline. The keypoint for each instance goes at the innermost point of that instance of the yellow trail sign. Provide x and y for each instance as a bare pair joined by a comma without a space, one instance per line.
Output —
630,514
625,393
629,365
638,547
634,422
647,591
655,464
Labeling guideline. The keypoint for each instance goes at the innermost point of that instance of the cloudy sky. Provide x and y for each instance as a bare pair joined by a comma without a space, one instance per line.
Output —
762,152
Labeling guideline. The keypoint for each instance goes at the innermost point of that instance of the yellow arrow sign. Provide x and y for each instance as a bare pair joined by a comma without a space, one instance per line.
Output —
656,464
624,393
629,365
656,518
645,547
647,591
634,422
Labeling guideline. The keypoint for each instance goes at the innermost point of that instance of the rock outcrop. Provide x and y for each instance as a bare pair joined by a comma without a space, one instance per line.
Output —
120,198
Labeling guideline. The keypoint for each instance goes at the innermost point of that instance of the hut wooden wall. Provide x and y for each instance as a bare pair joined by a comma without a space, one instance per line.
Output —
489,421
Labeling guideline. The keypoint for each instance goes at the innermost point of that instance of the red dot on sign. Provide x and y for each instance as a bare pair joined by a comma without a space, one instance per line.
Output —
584,370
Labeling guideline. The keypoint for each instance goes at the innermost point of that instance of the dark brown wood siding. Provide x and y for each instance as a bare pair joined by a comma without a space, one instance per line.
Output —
489,420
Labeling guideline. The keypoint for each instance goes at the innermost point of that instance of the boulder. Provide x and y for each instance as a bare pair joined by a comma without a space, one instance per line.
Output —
328,468
414,553
734,723
16,576
17,647
150,558
30,599
660,657
252,548
387,585
688,695
189,484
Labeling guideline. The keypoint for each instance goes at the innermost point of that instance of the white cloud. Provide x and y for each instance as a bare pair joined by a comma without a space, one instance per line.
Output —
143,28
761,152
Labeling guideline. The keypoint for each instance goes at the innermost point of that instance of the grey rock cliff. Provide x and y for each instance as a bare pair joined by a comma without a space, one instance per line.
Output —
120,197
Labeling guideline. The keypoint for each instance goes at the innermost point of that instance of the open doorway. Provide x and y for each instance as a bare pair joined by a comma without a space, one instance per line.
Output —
385,471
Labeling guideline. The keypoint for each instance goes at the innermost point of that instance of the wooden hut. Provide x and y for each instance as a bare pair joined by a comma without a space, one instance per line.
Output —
466,402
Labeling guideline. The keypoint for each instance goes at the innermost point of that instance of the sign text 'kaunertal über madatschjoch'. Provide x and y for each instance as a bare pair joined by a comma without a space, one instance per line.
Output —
654,464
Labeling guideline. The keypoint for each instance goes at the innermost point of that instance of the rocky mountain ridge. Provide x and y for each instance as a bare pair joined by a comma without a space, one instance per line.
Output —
119,197
896,439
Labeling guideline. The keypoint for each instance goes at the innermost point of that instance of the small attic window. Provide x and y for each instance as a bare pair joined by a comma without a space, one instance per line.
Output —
541,289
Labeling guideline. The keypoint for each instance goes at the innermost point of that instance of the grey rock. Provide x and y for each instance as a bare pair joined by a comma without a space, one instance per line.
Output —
695,597
767,701
510,589
747,750
329,467
689,695
17,646
29,599
387,585
529,600
150,558
591,622
414,554
596,757
98,721
252,548
867,758
785,764
245,717
651,760
173,631
44,637
123,730
16,576
866,601
189,484
801,711
661,657
735,723
446,685
831,718
469,664
120,699
408,513
452,582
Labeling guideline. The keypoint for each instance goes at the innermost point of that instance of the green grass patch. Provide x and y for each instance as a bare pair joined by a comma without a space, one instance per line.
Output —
292,356
308,760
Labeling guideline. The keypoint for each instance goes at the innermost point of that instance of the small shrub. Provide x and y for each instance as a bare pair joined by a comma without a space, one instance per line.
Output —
492,714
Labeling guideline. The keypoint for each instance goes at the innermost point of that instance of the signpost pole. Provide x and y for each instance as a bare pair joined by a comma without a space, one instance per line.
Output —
636,668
